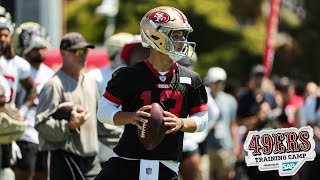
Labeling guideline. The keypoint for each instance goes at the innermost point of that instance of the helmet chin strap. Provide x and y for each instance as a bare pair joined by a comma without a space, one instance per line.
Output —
175,57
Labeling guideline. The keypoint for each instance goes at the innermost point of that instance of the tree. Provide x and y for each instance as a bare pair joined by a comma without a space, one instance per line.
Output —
228,33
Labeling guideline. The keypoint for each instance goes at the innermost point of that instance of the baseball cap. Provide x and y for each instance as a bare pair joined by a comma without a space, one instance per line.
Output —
74,41
215,74
127,48
283,83
257,70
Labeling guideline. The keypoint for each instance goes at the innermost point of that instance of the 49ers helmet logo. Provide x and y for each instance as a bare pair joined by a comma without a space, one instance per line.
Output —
159,17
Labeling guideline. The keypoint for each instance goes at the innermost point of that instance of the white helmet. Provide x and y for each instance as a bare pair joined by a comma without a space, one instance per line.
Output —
157,27
115,43
4,13
215,74
5,20
28,36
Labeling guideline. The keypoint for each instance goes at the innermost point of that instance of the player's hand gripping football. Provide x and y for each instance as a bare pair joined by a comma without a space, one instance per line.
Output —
172,122
79,118
140,116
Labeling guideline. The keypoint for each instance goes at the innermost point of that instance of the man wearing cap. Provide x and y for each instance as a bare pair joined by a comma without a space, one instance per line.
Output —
255,106
255,103
72,144
223,143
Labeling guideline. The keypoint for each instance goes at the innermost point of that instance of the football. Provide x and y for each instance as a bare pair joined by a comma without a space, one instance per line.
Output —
153,132
64,111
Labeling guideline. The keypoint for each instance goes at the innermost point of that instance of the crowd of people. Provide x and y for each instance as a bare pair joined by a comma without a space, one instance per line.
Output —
207,119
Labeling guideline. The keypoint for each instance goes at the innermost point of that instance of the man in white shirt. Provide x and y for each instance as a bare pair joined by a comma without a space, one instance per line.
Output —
16,70
31,42
223,143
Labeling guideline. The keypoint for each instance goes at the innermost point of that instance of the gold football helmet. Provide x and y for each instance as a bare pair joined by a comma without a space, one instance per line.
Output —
166,30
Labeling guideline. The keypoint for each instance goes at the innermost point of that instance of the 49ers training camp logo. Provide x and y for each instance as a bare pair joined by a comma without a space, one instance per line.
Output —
159,17
285,150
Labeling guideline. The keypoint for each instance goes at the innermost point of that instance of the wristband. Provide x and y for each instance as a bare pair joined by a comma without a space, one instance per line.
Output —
182,124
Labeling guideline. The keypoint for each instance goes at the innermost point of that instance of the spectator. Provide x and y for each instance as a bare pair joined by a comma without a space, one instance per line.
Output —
254,112
311,115
223,142
291,101
311,92
73,144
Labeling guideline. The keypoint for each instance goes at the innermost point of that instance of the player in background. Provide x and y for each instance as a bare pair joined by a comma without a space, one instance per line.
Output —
16,70
160,79
31,41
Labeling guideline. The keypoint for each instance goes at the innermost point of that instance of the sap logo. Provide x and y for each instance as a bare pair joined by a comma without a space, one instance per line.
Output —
287,166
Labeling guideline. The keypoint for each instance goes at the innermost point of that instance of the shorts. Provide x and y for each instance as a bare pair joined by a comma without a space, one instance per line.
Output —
118,168
203,147
32,158
5,155
187,154
202,150
220,163
68,166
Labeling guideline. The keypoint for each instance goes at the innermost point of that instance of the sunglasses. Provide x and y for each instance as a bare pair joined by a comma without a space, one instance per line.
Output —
81,52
